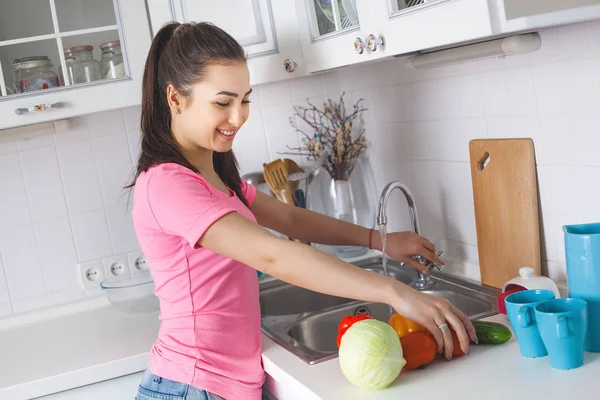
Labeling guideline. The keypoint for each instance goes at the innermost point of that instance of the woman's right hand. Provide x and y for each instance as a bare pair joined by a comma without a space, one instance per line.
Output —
437,315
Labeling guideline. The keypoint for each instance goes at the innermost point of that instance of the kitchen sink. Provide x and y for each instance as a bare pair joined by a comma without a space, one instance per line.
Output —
280,298
305,322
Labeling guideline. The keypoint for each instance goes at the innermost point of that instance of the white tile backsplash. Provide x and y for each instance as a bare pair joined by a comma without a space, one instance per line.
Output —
92,238
65,205
57,254
115,168
43,183
71,130
13,201
556,139
4,297
106,123
21,259
419,124
35,303
80,177
120,225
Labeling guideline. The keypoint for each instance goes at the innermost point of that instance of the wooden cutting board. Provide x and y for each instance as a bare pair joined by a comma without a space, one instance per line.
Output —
505,192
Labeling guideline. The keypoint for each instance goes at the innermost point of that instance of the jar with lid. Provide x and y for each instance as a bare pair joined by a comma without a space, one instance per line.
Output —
33,73
81,66
111,64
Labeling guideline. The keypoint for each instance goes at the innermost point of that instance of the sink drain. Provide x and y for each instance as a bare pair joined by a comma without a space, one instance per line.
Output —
364,310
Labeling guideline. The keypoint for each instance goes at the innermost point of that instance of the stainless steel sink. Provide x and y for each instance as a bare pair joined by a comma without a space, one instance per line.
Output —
280,298
305,322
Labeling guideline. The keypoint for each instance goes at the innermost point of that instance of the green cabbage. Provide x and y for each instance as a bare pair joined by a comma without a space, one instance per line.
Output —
370,354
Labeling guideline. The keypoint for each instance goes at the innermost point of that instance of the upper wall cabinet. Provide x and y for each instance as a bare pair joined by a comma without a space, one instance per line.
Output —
519,15
62,58
410,26
413,25
268,30
335,33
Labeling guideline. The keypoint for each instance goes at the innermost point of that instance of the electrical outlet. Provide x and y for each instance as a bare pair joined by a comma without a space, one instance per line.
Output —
138,263
91,274
116,266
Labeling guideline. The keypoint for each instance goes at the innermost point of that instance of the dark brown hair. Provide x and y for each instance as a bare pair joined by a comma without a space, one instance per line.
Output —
179,55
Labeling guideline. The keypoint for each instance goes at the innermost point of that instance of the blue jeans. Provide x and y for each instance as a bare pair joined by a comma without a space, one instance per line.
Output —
154,387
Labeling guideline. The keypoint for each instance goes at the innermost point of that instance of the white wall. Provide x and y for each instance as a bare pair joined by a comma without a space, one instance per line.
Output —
65,203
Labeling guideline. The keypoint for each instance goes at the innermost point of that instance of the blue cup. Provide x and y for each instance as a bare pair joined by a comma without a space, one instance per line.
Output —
521,315
563,325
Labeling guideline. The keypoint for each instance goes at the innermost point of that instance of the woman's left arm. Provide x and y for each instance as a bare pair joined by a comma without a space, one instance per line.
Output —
310,226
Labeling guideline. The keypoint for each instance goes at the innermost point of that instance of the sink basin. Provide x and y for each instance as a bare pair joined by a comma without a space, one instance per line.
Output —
305,322
280,298
319,331
471,304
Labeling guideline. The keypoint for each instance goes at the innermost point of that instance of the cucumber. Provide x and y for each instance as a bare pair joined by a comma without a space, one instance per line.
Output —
491,332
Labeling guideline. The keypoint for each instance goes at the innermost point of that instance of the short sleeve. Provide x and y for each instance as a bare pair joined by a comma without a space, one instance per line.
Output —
249,192
182,203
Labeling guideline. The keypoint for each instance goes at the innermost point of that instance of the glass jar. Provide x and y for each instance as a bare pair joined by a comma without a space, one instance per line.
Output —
33,73
111,64
81,66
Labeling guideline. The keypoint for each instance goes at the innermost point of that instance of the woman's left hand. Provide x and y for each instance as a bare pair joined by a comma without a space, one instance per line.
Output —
403,246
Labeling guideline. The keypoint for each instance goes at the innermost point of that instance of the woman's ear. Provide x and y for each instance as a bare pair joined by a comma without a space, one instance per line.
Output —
174,99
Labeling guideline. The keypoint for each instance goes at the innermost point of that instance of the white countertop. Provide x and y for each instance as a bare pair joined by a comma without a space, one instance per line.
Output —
92,346
488,372
88,342
73,349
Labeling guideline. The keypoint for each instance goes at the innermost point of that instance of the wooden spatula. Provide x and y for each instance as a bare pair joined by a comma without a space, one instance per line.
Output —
276,177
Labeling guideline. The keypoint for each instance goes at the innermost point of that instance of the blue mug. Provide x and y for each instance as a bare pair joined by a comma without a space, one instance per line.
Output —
521,315
563,325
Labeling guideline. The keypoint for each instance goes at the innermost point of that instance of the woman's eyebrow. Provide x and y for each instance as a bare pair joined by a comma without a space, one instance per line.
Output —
232,94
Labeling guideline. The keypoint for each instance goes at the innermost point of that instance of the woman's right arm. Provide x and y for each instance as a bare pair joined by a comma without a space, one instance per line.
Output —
239,238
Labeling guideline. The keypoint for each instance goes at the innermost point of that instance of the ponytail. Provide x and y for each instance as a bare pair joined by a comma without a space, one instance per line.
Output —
179,55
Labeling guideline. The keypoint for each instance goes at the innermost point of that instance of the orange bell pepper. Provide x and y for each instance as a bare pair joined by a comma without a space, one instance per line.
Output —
402,325
419,349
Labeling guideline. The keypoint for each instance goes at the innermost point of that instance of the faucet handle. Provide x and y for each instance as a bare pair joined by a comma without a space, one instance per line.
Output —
429,264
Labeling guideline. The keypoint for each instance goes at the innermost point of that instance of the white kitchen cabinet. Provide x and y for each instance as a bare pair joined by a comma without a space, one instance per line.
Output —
334,32
39,31
267,29
414,25
519,15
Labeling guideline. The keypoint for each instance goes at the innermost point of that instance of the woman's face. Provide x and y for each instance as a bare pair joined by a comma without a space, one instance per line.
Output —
217,108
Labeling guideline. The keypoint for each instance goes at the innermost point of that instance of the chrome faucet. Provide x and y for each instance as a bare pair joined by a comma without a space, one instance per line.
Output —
423,282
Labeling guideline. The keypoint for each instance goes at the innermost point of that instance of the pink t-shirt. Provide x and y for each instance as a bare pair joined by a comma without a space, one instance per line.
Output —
209,310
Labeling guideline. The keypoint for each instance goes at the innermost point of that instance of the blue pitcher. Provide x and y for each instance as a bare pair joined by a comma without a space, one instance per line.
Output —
582,249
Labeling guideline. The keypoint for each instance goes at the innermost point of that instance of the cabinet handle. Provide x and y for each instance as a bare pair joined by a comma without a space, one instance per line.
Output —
373,43
289,65
39,107
359,46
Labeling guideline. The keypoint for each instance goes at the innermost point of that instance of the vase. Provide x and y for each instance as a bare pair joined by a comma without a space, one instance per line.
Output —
342,200
353,199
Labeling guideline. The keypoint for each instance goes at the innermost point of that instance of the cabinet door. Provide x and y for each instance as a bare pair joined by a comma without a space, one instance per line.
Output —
268,30
414,25
334,32
44,76
518,15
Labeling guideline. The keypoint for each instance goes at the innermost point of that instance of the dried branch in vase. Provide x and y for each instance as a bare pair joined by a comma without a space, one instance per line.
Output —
330,131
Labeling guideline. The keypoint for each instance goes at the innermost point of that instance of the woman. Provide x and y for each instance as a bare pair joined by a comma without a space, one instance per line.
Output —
202,229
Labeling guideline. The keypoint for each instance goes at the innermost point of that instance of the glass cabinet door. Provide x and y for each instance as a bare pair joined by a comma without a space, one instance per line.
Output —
331,17
402,6
47,45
